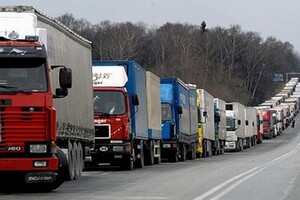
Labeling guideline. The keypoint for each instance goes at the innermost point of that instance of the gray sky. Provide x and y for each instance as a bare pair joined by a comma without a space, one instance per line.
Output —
279,18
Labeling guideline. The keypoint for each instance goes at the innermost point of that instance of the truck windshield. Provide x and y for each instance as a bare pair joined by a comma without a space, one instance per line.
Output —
166,112
230,124
109,103
23,74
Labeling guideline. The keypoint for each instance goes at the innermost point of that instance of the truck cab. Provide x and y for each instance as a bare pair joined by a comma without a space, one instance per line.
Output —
28,147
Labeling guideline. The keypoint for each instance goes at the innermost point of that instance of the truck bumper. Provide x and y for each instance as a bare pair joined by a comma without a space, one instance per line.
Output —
114,154
169,148
28,164
267,135
29,169
230,145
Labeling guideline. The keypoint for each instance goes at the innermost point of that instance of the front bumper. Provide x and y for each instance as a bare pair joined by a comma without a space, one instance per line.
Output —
230,145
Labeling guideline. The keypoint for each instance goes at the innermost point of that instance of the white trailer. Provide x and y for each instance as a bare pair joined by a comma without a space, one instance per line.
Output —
206,104
154,117
235,126
250,126
221,125
279,119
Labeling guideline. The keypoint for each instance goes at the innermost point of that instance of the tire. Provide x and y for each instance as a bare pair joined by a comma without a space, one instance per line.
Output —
127,164
174,157
209,145
77,161
141,161
80,154
71,161
157,160
192,153
183,153
63,174
204,149
241,145
150,154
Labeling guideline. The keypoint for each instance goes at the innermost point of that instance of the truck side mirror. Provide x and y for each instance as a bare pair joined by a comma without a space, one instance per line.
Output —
179,110
204,114
217,118
135,100
239,122
65,78
60,93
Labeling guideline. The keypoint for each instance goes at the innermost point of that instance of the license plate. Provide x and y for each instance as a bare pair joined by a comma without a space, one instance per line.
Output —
166,145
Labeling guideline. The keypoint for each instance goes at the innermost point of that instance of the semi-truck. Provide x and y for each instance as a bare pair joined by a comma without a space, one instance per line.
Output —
127,115
251,126
207,138
235,126
179,119
220,106
46,120
268,124
260,127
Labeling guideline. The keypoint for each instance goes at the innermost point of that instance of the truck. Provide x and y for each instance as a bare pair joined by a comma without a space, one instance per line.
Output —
127,115
260,127
179,119
268,123
220,106
235,127
250,126
207,138
46,127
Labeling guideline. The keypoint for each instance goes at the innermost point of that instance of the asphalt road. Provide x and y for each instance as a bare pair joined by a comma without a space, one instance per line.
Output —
269,171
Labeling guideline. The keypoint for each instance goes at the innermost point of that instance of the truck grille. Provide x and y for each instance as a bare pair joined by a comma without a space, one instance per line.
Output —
21,124
102,131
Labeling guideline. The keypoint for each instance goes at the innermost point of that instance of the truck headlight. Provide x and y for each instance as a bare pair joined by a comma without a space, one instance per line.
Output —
38,148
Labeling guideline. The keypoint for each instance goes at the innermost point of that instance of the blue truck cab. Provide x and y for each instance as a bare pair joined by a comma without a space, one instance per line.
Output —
179,119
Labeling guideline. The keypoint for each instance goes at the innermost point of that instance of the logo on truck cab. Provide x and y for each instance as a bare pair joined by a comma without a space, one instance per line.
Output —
100,121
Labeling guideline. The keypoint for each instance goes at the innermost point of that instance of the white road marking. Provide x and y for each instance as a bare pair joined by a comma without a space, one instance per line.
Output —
246,175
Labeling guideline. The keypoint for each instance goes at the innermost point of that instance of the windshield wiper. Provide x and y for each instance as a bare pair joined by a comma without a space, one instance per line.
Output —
16,89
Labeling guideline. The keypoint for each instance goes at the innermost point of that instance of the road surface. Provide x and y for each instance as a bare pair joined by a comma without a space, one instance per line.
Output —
269,171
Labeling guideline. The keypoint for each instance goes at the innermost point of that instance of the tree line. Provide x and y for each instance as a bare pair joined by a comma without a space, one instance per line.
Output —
229,63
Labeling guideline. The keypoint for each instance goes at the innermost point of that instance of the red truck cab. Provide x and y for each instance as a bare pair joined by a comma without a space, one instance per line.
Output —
28,119
267,124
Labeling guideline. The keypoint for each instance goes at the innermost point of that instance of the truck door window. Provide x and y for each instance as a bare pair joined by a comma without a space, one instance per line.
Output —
166,112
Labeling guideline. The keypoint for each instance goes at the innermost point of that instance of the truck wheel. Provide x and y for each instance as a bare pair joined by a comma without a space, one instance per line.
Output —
204,152
183,153
241,145
157,160
77,161
150,154
127,164
237,146
71,161
192,152
174,157
209,148
63,171
80,154
141,159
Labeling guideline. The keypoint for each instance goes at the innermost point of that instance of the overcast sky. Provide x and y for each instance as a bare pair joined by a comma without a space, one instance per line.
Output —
279,18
